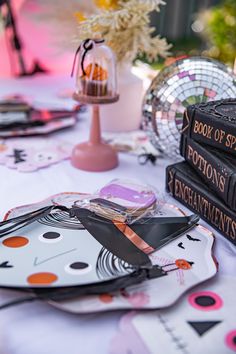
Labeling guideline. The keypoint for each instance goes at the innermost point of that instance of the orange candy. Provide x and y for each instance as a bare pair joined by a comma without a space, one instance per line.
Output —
182,264
98,73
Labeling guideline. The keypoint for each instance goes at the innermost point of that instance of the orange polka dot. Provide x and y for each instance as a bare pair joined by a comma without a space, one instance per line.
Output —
106,298
41,278
15,241
182,264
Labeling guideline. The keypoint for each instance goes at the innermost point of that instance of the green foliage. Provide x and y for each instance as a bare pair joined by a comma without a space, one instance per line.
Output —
221,31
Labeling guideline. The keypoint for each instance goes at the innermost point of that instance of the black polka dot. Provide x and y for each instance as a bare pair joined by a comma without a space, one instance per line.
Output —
234,340
205,301
51,235
79,265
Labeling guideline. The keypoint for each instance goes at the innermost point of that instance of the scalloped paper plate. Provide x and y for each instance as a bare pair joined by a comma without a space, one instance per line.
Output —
31,154
195,246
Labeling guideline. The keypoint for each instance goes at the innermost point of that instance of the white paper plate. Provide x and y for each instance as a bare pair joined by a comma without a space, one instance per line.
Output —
195,246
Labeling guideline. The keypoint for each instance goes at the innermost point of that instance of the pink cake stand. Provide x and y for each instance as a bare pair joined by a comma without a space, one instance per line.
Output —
94,155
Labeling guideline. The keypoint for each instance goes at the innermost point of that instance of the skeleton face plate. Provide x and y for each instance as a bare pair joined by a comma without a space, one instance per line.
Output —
56,252
203,322
53,251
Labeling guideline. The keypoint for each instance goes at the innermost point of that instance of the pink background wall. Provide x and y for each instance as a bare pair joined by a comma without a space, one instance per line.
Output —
38,43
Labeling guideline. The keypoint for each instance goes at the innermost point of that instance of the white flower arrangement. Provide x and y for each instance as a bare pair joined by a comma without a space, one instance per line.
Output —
126,28
124,24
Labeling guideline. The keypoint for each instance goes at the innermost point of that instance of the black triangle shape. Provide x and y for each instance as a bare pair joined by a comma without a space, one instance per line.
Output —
201,327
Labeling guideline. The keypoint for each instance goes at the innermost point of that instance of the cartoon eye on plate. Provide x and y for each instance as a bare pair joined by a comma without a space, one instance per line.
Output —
50,237
230,340
205,301
78,268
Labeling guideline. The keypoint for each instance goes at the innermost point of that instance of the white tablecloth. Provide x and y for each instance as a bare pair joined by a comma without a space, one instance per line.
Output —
38,328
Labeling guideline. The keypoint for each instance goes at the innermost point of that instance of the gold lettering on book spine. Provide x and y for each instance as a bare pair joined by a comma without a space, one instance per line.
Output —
209,132
203,129
205,208
231,142
206,168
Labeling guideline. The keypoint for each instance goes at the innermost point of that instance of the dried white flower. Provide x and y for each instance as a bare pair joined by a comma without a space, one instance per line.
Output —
127,30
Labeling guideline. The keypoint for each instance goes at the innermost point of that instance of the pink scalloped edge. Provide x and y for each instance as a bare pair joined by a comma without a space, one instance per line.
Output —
44,200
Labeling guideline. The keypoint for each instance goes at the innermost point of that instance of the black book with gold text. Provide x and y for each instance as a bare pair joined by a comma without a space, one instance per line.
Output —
188,188
216,168
212,123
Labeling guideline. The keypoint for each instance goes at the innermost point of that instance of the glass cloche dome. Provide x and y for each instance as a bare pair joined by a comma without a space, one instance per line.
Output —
96,84
96,78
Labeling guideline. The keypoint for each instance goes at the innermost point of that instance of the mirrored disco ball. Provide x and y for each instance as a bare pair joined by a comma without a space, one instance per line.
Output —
185,82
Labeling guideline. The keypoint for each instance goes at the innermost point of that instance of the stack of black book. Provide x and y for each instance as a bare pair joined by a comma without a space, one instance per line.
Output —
206,181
